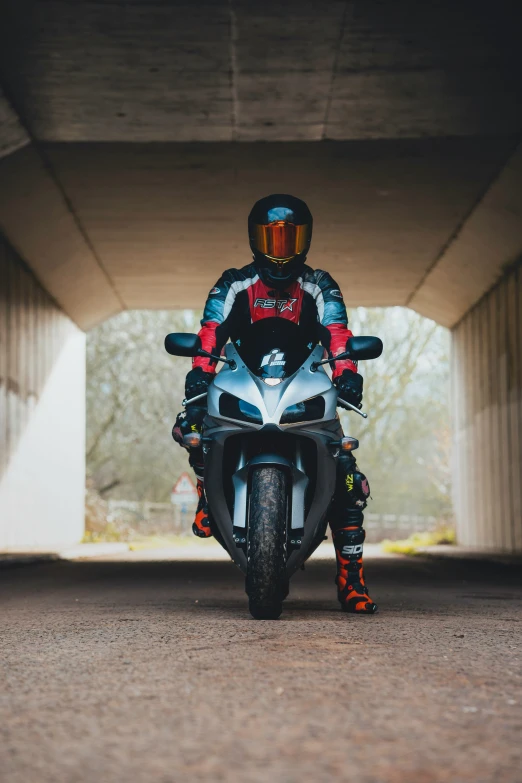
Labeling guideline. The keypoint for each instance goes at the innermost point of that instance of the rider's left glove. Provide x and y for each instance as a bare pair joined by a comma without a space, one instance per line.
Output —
350,387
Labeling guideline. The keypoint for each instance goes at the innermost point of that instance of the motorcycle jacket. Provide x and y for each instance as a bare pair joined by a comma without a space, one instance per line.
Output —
240,297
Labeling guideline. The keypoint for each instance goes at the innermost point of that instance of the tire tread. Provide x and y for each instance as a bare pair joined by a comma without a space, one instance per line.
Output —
266,552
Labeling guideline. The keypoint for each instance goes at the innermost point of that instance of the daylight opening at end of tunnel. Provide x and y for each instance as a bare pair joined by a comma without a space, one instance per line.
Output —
141,490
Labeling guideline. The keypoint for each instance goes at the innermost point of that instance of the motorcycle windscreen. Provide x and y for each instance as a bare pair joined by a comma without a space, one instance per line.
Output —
276,348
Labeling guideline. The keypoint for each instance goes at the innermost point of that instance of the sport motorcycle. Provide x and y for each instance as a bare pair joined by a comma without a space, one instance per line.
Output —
270,439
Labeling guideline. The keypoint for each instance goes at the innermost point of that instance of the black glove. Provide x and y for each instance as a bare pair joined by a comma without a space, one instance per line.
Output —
197,382
350,387
189,420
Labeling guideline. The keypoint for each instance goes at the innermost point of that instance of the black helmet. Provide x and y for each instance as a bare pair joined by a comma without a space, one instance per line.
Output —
280,231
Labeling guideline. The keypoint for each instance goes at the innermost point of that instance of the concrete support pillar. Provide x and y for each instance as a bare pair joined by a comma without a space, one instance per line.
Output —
487,400
42,414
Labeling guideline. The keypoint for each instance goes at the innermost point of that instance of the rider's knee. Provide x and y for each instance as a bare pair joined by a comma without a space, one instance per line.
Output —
351,495
187,422
357,489
352,485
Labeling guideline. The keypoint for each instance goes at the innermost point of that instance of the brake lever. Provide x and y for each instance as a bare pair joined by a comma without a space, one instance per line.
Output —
350,407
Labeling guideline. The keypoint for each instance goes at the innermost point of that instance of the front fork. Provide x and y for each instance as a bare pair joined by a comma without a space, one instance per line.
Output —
299,484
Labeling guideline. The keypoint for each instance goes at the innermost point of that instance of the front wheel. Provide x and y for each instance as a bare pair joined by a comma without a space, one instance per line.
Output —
266,583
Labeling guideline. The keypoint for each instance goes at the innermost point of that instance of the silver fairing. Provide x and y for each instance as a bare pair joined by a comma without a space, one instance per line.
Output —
271,401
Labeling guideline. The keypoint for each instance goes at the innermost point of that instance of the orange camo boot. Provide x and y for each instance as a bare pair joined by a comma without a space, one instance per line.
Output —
352,591
201,524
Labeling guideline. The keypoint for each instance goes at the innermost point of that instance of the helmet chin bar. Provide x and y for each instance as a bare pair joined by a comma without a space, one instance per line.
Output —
281,261
279,268
268,268
274,281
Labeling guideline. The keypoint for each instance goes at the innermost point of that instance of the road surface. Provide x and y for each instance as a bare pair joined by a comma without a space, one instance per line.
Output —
143,671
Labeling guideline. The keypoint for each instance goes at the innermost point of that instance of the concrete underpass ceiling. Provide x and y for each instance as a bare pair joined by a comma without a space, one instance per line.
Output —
136,135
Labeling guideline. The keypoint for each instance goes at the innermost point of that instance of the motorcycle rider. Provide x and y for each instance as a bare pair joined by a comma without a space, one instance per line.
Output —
279,283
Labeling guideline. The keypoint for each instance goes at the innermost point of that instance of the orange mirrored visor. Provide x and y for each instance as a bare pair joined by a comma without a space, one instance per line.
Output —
281,241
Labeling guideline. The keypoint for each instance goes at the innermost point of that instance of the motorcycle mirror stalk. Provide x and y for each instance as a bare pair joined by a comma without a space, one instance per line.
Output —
231,363
184,344
357,348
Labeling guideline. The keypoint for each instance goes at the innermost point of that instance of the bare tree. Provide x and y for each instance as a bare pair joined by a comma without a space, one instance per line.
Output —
405,441
134,390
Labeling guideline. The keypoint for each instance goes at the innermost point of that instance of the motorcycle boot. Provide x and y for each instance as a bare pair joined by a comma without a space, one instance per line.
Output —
201,524
346,523
352,592
187,422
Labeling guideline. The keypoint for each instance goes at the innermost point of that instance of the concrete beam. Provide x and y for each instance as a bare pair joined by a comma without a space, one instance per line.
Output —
488,242
224,70
167,219
107,226
39,222
12,135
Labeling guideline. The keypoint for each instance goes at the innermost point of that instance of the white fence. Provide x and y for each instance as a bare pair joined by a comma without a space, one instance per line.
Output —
163,518
146,518
395,526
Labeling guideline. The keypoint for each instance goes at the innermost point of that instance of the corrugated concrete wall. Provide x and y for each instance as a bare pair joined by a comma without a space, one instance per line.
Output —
487,399
42,414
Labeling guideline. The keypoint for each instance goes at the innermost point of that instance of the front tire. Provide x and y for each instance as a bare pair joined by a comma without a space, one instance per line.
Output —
266,582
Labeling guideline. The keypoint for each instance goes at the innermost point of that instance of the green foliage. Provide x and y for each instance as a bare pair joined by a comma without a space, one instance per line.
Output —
411,545
109,533
163,542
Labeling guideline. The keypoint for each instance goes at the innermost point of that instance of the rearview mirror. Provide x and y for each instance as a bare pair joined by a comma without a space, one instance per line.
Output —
364,347
181,344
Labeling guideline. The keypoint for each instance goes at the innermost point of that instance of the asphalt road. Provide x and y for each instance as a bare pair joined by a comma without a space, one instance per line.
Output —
154,671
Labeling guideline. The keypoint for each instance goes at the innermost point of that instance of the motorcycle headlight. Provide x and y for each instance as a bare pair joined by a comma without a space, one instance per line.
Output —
308,410
234,408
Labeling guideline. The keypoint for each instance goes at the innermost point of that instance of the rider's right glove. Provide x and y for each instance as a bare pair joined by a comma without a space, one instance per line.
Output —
350,387
197,382
191,419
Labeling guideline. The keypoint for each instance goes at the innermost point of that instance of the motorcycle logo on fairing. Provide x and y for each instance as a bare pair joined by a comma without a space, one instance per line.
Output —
275,357
281,304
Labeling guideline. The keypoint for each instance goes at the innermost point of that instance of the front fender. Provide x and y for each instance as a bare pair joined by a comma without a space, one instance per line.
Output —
299,486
